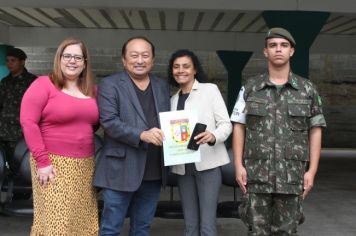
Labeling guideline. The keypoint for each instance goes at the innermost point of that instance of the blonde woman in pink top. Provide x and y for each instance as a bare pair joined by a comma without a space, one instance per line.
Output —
58,116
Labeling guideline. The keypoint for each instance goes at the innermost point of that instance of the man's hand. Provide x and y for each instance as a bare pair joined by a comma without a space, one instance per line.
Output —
241,178
154,136
308,183
46,174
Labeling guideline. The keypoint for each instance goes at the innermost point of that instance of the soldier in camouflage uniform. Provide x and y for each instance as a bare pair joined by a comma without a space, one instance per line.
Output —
12,88
278,123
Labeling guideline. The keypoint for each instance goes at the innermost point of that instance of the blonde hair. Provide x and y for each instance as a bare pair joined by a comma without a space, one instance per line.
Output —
86,79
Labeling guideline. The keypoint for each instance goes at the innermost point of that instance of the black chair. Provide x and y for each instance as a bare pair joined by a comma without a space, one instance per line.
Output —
229,209
171,209
18,184
2,173
2,167
22,162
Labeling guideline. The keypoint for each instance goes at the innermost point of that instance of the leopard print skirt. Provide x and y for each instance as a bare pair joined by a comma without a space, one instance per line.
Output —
68,206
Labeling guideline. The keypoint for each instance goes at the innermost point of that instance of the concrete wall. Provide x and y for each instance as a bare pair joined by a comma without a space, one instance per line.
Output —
334,75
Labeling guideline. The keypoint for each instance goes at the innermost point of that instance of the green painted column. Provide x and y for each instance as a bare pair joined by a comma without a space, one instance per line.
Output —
3,68
234,62
305,27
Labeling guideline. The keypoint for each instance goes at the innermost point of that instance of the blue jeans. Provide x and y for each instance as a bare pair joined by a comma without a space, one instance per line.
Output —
140,206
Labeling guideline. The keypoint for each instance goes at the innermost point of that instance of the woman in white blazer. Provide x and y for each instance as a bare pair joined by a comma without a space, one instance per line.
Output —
199,183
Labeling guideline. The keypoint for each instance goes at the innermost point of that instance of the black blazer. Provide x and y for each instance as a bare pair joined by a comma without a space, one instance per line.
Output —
122,161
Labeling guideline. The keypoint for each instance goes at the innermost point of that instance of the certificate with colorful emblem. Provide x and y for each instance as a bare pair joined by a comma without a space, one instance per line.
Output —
177,127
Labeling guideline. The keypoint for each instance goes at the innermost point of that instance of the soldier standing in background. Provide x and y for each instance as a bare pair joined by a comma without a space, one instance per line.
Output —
12,88
277,131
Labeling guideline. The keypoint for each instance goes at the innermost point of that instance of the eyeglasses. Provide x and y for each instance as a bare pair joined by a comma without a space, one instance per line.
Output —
68,57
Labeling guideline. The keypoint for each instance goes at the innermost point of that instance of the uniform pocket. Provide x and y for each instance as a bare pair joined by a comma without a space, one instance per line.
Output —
257,157
256,111
296,161
299,113
297,152
256,148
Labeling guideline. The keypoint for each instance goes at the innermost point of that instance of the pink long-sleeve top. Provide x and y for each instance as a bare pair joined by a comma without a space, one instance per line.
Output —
57,123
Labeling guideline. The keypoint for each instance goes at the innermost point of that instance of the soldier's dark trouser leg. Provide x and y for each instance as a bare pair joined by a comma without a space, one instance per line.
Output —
270,214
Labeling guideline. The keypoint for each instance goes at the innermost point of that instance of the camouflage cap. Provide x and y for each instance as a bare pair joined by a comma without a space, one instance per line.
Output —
16,52
280,33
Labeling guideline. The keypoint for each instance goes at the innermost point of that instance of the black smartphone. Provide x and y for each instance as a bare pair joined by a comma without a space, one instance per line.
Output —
198,128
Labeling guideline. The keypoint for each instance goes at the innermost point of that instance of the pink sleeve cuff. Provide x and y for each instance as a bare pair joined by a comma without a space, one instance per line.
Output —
43,161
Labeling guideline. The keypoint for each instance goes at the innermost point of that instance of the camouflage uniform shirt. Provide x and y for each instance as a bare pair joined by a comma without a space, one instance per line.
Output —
11,92
277,123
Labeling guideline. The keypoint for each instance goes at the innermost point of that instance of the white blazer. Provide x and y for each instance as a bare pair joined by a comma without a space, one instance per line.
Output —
206,99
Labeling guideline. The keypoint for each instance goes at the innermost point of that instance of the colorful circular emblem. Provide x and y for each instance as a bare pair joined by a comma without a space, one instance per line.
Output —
180,130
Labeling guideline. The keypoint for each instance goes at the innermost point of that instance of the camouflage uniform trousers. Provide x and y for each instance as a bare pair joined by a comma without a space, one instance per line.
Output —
271,213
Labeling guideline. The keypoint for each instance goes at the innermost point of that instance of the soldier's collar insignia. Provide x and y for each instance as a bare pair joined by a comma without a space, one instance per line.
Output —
292,80
263,83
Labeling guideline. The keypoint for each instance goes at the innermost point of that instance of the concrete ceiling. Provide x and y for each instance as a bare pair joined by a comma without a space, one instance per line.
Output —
157,19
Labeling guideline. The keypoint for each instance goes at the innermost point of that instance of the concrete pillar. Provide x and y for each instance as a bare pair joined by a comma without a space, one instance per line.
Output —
234,62
305,27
